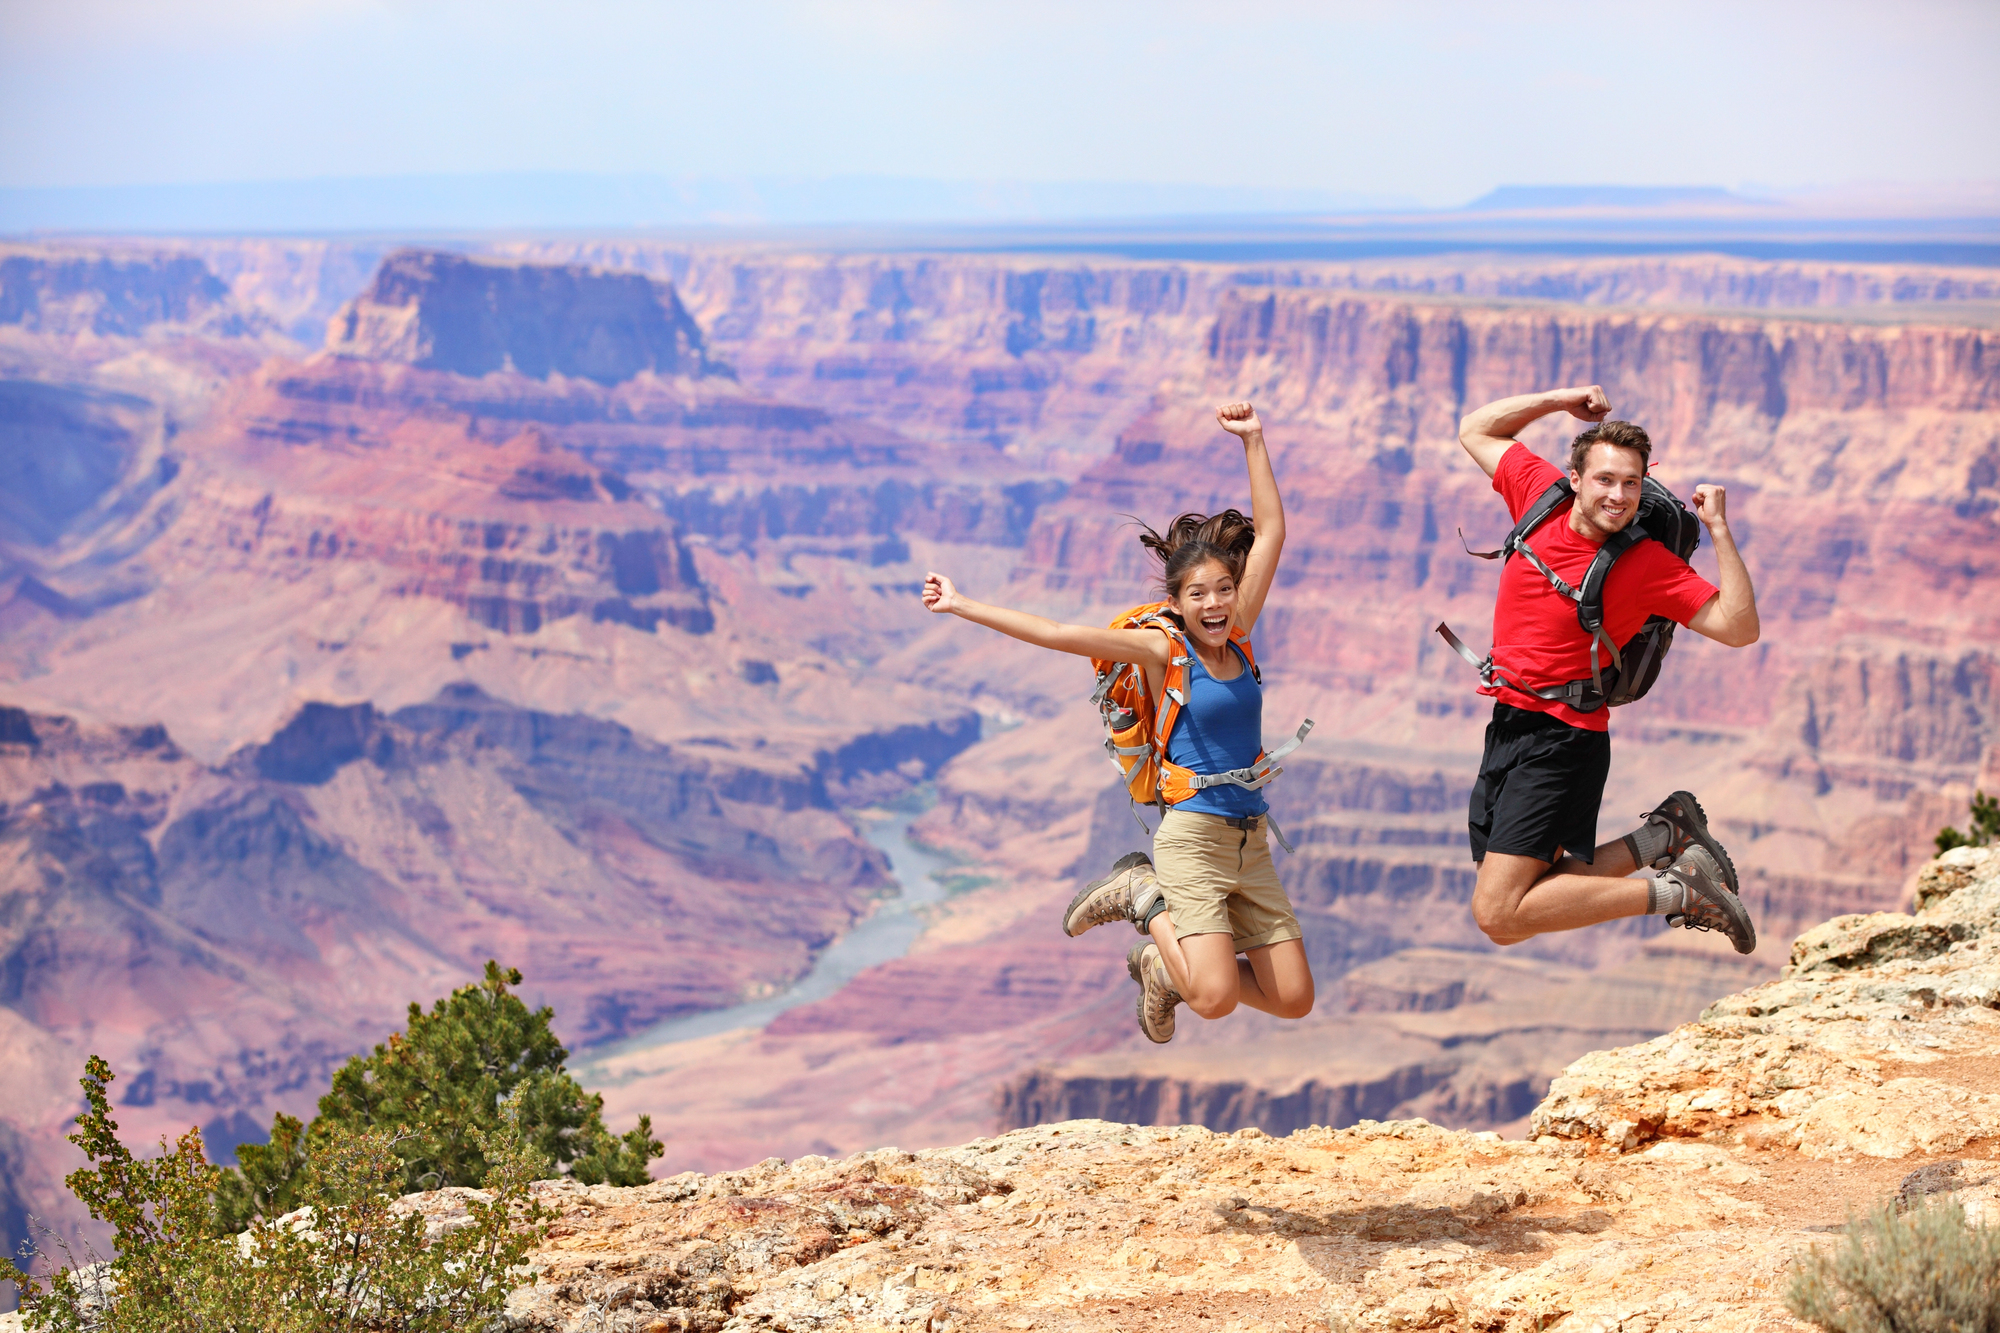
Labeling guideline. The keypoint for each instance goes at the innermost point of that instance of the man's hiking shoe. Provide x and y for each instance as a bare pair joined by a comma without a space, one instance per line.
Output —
1686,826
1157,996
1111,898
1714,906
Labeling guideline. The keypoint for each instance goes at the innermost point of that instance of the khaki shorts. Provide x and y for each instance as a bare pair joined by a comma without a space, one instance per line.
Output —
1217,878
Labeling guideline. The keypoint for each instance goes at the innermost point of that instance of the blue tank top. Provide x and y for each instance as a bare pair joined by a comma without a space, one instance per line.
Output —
1220,728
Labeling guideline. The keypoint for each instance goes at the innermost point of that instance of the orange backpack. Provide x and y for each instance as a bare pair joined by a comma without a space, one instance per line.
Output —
1135,733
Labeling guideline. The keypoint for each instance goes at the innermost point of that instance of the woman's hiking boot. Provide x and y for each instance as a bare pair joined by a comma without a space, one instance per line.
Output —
1675,825
1157,996
1130,885
1707,902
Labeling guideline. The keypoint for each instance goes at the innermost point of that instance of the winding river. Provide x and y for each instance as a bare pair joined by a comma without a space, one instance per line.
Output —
887,933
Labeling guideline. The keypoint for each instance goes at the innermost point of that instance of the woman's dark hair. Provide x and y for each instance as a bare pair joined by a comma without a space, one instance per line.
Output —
1193,540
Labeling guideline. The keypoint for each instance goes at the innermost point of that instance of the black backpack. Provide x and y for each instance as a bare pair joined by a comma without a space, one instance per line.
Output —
1635,664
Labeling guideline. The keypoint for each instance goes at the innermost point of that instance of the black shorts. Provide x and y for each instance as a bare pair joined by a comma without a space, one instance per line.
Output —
1540,784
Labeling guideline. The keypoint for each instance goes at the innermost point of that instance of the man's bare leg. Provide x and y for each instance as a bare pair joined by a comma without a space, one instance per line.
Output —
1519,897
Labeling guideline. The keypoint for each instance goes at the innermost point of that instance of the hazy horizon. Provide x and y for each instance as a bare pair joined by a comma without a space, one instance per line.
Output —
1353,105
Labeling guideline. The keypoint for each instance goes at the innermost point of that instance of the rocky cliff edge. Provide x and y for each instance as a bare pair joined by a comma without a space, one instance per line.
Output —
1669,1186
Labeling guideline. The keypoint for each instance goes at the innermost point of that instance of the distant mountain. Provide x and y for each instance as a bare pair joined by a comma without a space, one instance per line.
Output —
581,199
1514,197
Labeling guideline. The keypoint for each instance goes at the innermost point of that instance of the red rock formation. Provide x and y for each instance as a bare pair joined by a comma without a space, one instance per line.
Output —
442,311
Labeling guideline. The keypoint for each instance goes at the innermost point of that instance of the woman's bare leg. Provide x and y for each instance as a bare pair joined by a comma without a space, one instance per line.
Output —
1203,967
1277,979
1206,971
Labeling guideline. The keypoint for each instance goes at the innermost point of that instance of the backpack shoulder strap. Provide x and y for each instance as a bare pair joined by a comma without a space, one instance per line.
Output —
1590,595
1590,598
1173,684
1555,497
1242,642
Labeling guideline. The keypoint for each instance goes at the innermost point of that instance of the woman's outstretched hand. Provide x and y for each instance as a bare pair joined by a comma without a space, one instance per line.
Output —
940,597
1239,419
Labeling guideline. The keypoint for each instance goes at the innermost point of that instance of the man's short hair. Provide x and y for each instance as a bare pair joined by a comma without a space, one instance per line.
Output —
1623,434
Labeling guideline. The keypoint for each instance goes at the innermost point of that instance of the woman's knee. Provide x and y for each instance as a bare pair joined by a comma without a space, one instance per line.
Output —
1213,1003
1213,996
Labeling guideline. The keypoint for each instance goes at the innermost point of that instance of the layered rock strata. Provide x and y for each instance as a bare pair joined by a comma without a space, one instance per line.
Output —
443,311
65,292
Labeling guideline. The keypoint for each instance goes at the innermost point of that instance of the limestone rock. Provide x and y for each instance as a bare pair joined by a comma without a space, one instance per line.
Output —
1382,1227
1951,872
1868,1045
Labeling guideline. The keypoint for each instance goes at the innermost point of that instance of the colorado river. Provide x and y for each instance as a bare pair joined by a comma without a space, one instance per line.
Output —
885,934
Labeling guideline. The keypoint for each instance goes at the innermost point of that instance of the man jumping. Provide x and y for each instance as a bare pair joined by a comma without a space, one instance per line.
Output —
1533,814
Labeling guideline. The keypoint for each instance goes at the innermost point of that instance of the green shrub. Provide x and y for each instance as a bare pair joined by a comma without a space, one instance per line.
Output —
434,1090
1982,828
348,1260
1923,1271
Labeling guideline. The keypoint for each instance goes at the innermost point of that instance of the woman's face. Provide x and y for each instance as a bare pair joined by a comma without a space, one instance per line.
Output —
1207,603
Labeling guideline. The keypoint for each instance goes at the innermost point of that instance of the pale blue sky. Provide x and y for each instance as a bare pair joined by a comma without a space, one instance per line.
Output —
1434,102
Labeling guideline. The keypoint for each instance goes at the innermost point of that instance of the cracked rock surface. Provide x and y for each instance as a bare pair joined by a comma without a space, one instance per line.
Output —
1669,1188
1877,1041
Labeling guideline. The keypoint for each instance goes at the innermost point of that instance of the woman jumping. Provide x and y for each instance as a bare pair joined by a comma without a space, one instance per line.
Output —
1214,893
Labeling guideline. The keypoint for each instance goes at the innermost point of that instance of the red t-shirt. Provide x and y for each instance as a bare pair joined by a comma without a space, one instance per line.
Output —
1536,639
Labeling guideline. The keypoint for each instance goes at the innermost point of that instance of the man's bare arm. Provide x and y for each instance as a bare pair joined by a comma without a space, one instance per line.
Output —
1488,433
1729,617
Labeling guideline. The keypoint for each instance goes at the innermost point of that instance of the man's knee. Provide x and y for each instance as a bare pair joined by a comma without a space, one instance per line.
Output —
1293,1006
1495,919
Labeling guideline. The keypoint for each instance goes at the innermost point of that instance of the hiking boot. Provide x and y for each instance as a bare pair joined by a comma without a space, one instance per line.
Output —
1113,897
1714,907
1680,819
1157,996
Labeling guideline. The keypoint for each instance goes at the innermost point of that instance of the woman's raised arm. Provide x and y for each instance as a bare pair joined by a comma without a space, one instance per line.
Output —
1148,647
1266,510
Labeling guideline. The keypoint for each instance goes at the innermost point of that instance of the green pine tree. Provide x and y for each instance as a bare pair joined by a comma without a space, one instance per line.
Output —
1983,828
437,1089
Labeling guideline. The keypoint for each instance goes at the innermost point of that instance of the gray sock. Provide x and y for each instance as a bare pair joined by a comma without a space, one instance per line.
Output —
1649,842
1665,896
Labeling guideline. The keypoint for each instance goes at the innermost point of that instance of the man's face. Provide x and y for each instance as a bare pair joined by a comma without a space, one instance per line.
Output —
1607,491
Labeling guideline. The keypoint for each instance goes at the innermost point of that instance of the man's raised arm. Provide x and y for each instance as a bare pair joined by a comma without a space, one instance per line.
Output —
1488,433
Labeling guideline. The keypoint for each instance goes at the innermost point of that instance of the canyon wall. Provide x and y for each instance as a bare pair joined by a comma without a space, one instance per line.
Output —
407,612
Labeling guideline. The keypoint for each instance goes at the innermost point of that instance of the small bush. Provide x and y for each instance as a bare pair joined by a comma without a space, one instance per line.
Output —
433,1090
347,1259
1924,1271
1982,829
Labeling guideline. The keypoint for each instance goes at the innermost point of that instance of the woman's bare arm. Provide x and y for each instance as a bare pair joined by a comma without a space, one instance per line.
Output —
1266,509
1149,647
